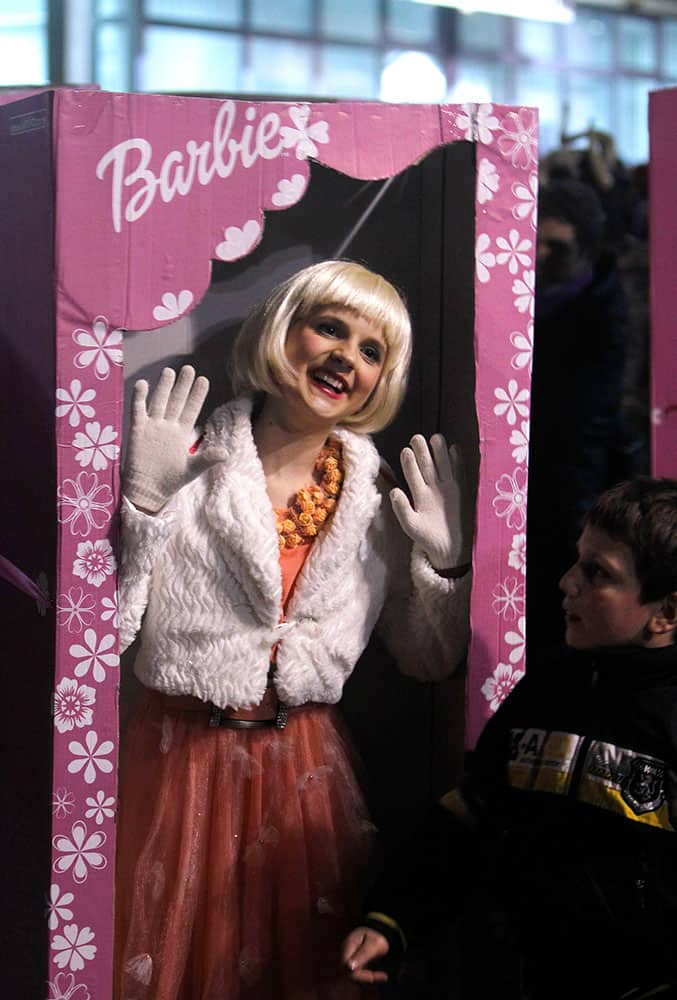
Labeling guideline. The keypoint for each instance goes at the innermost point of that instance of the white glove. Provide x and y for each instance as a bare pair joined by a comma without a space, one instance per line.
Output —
434,517
158,460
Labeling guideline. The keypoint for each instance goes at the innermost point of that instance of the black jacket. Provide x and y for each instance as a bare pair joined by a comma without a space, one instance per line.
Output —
564,827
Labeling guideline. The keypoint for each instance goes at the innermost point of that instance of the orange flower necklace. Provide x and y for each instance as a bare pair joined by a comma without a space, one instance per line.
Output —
312,507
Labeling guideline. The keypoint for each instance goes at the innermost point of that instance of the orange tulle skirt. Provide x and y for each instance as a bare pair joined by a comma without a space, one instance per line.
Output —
241,858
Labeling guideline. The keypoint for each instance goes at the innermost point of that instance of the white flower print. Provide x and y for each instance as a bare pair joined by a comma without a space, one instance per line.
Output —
90,757
75,403
289,190
478,124
514,251
487,181
523,289
511,499
484,258
486,123
509,598
95,561
527,199
58,906
110,612
73,948
84,503
520,138
517,557
303,136
63,803
524,342
512,402
102,348
94,654
96,445
99,808
499,686
239,242
79,852
75,609
73,705
657,416
517,640
64,987
520,439
173,305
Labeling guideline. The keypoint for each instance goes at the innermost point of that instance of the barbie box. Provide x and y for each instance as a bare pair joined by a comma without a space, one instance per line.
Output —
138,232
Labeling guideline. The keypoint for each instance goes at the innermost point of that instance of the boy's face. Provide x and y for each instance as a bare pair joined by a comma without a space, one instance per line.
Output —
602,603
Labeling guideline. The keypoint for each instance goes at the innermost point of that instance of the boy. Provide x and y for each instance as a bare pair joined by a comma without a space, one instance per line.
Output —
559,848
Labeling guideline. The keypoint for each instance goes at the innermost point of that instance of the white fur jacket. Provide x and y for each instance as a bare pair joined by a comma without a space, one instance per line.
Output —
204,575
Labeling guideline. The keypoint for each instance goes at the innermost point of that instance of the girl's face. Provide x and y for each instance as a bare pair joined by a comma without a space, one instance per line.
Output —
337,357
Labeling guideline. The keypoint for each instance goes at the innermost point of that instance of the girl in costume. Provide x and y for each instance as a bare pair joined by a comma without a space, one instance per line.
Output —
256,564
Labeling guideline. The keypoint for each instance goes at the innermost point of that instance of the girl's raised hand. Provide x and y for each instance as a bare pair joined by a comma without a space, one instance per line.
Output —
159,461
433,518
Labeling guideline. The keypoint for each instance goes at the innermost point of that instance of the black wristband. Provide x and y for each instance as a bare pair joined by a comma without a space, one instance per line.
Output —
393,935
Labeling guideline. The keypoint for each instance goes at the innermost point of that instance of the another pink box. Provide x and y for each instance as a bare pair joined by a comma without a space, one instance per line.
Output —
663,262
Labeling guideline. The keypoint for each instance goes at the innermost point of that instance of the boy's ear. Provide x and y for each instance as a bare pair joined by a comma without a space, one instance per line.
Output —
664,620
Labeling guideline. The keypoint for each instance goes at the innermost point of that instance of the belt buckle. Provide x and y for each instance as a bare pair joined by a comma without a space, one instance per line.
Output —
215,716
218,719
281,716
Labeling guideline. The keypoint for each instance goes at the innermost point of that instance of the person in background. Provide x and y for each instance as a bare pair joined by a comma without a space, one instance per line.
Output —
591,157
256,562
557,853
623,195
577,436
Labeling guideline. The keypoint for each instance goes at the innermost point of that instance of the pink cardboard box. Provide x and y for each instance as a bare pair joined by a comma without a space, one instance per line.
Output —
663,256
149,225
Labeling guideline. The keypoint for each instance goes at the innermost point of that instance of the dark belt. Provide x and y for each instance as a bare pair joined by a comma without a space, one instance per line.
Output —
270,713
219,717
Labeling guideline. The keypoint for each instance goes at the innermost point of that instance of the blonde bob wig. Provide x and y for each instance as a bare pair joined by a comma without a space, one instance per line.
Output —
259,358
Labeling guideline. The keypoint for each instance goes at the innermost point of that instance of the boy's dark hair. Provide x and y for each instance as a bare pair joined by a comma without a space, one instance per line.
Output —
577,203
643,513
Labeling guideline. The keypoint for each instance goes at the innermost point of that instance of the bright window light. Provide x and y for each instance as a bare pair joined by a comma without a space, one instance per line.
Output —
24,57
413,77
561,11
467,91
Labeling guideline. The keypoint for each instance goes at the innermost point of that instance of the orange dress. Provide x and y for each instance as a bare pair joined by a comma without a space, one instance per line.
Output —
241,853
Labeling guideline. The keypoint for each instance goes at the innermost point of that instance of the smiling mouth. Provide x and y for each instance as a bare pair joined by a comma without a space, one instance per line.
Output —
330,383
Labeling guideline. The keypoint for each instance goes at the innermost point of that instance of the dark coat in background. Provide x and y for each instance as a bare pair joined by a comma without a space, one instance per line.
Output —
577,437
